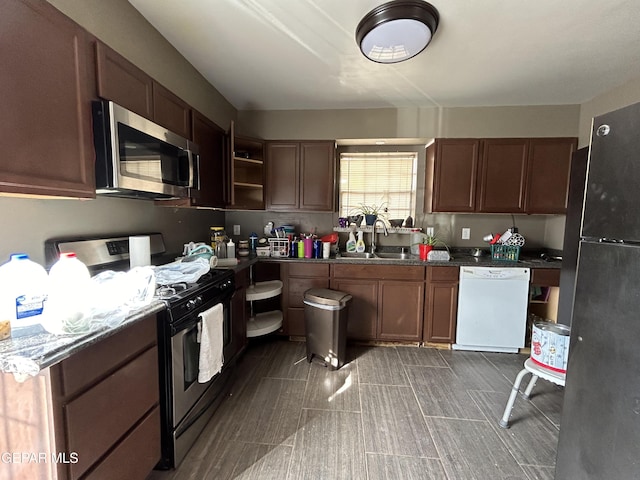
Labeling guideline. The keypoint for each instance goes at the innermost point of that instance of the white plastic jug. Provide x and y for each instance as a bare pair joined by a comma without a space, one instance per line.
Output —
23,294
67,305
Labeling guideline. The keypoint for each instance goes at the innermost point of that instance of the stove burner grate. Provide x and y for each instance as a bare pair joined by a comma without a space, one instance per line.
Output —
168,291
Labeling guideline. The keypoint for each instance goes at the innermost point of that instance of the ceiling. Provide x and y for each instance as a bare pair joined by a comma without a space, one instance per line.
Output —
302,54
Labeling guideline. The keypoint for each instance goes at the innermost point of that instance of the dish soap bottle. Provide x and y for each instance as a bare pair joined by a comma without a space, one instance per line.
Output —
360,243
351,243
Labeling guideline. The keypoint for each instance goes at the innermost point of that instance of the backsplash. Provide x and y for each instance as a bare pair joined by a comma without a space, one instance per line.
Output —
28,222
448,227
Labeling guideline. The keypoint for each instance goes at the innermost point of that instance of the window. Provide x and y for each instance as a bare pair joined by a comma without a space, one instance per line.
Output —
387,178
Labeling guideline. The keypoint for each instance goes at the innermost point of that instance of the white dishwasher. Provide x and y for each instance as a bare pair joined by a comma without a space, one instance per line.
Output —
492,309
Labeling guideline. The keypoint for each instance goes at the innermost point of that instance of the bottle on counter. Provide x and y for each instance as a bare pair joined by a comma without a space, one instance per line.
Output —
219,241
24,287
253,242
67,305
231,249
308,246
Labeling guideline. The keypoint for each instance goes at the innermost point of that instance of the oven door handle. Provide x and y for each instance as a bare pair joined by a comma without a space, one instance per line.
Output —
190,320
199,327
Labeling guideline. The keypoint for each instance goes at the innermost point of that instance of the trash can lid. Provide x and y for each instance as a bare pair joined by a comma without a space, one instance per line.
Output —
326,296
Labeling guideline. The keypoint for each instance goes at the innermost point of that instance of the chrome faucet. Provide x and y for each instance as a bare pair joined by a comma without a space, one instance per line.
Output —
373,234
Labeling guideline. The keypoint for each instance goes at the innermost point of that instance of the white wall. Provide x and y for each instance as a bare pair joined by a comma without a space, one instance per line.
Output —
535,121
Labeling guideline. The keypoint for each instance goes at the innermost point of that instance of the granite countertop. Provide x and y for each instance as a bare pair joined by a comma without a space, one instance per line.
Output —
458,258
27,355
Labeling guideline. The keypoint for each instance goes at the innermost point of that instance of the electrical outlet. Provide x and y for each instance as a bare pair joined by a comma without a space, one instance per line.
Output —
466,233
236,229
430,231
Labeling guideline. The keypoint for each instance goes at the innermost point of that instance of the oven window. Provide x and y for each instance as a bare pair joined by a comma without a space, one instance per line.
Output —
191,354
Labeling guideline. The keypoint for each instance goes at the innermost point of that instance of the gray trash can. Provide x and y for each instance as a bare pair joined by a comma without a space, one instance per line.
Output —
325,319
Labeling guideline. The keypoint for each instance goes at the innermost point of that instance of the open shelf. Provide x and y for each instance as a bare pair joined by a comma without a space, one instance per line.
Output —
264,323
248,161
264,290
247,172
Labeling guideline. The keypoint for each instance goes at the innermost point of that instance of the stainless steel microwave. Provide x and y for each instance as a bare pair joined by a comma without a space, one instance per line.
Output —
138,158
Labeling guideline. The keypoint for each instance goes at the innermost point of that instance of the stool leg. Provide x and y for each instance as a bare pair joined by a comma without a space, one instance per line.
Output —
532,383
504,421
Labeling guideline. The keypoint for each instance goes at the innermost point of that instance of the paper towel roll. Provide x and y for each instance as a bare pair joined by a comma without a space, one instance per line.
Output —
139,251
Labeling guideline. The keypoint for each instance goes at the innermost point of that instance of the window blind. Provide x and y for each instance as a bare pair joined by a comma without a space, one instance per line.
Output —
387,178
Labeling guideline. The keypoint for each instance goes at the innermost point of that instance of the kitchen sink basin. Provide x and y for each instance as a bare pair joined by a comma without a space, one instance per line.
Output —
362,255
394,255
390,256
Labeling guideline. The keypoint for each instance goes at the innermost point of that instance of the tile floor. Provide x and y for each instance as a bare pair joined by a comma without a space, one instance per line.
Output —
390,413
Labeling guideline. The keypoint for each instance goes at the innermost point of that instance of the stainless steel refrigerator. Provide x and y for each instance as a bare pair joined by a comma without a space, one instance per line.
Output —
600,427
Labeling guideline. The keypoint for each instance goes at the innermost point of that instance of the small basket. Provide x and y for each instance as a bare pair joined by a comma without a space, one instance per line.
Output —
262,251
505,253
279,247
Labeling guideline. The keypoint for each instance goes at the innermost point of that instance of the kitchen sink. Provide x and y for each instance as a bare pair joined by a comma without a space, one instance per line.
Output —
390,256
394,255
359,255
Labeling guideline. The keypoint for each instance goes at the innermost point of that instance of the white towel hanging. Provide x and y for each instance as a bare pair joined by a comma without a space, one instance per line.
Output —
211,338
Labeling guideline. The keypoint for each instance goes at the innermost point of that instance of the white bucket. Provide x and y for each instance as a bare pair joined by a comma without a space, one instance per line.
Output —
550,345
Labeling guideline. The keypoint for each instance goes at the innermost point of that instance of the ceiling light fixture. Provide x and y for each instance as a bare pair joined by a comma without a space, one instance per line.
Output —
397,31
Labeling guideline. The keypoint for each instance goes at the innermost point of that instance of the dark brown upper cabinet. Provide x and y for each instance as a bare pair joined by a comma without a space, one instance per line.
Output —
301,175
498,175
548,174
46,137
171,112
122,82
503,170
451,175
210,138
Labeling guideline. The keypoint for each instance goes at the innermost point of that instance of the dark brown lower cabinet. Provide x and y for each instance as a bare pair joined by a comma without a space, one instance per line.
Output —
363,308
93,415
297,278
387,301
239,315
441,305
400,310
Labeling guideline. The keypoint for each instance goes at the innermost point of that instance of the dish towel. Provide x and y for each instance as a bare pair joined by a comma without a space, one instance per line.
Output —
211,334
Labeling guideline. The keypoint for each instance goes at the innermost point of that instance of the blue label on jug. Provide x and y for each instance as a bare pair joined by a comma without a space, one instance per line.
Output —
29,306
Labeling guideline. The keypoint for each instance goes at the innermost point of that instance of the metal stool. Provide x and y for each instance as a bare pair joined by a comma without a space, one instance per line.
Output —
536,372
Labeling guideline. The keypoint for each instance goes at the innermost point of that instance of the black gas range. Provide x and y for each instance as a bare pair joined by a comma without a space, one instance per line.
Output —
182,298
186,404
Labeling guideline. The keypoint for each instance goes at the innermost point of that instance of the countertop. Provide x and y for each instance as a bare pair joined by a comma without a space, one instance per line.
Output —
458,259
27,355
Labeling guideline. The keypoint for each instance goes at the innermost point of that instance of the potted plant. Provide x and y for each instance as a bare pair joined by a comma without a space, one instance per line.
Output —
428,243
372,212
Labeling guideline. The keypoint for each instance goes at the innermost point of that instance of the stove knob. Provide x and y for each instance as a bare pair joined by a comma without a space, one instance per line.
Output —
194,302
